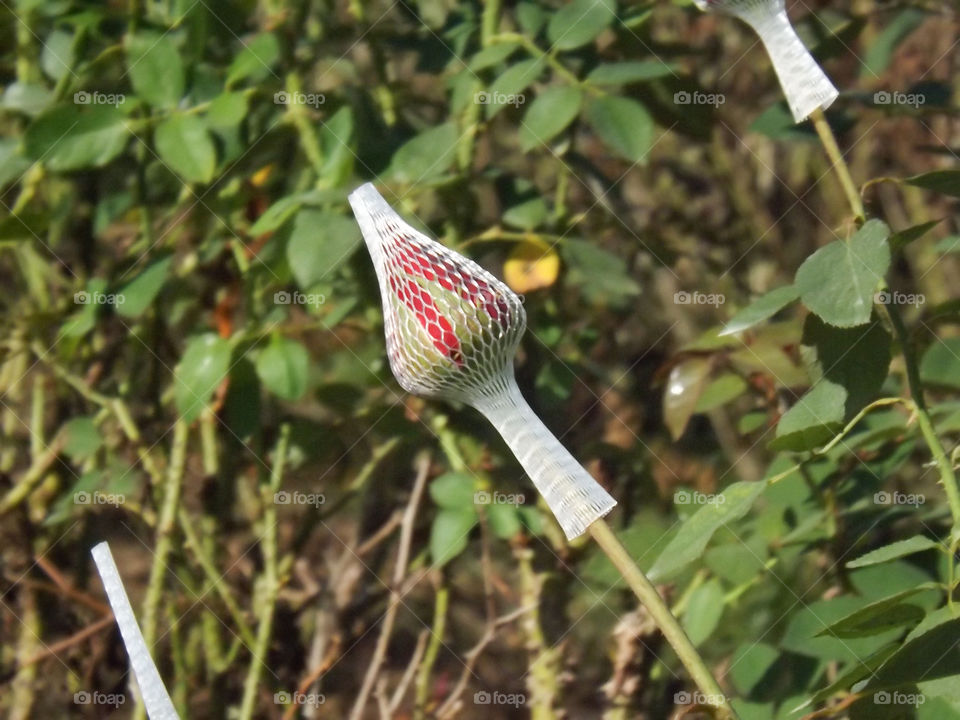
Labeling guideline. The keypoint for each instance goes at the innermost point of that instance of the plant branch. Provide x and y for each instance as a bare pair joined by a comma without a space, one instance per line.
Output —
822,127
399,572
270,577
666,622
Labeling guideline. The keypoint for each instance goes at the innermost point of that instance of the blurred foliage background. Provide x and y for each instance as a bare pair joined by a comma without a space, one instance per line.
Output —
192,361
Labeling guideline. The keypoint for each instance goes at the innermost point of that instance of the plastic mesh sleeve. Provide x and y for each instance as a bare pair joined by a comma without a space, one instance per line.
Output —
452,332
156,700
574,497
804,83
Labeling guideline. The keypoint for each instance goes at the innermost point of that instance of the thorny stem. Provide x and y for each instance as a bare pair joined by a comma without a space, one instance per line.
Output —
270,578
164,542
666,622
439,627
948,477
822,127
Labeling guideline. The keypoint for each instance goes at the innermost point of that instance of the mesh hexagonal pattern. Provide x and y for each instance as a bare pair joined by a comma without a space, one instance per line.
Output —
804,83
452,331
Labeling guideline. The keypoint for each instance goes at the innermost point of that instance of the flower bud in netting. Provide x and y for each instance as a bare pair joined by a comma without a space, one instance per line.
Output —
802,79
452,332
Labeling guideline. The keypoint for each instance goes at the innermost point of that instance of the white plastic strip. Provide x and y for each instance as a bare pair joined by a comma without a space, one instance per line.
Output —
156,699
804,83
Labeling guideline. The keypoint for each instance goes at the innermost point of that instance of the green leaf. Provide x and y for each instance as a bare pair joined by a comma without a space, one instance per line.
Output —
283,367
30,99
226,110
83,438
320,242
877,58
74,137
765,306
900,240
880,616
507,89
940,365
202,368
838,281
185,145
155,68
624,73
57,57
624,126
276,215
255,60
492,55
453,491
527,216
901,548
531,17
934,654
241,408
578,22
946,182
504,520
777,122
692,538
549,114
704,610
586,262
12,163
720,391
425,156
140,292
847,366
949,244
750,663
449,534
335,139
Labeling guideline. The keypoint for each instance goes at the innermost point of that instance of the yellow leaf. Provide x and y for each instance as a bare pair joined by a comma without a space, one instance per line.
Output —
531,266
260,177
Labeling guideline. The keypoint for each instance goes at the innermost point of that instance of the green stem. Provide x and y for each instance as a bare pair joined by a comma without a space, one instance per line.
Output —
430,657
533,49
822,127
270,578
164,542
668,624
489,21
948,477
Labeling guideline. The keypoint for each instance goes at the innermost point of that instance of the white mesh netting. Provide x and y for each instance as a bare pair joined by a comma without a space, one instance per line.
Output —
452,332
804,83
